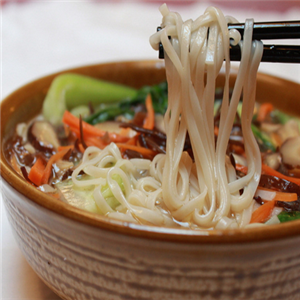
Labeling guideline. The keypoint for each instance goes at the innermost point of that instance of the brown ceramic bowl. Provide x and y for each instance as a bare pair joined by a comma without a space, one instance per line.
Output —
80,255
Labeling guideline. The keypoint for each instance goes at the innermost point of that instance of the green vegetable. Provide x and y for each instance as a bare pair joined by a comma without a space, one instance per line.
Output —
217,105
159,94
108,195
109,112
263,139
71,90
83,198
285,216
78,196
281,117
81,110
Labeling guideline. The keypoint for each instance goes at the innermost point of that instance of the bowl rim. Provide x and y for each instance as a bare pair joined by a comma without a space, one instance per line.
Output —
179,235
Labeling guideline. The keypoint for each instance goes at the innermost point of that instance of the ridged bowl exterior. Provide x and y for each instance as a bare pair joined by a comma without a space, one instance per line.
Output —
84,262
80,255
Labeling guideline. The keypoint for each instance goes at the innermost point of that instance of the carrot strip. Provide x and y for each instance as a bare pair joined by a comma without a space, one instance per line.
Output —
37,171
90,140
150,119
81,148
54,158
216,131
264,110
70,147
94,141
263,213
281,196
90,130
124,131
142,150
81,138
238,149
269,171
76,131
286,197
133,140
241,168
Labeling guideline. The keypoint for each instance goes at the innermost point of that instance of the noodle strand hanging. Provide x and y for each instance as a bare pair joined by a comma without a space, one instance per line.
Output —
194,55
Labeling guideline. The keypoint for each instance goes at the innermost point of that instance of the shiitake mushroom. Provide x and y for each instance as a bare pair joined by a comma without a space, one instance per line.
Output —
42,136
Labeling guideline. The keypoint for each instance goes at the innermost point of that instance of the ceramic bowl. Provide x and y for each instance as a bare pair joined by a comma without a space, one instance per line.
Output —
80,255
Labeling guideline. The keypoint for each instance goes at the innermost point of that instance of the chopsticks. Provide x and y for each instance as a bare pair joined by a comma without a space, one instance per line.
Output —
272,53
271,30
267,31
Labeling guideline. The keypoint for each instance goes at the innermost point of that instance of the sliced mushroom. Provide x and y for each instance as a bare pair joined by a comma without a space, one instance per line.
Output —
289,130
21,130
273,160
113,126
270,127
290,151
42,136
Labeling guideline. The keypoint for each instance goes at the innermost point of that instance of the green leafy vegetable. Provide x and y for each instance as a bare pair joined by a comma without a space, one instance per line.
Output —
108,195
285,216
82,197
78,196
263,139
71,90
159,94
81,110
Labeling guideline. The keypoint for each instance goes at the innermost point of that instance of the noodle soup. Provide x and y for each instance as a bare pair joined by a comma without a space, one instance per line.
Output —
91,165
185,153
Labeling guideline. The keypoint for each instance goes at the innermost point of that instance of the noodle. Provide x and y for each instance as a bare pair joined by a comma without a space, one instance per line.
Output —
193,57
173,189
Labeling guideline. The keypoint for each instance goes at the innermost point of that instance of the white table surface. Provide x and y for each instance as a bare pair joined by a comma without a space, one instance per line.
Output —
39,38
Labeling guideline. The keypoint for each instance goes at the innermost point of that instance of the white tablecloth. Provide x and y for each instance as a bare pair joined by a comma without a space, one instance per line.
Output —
39,38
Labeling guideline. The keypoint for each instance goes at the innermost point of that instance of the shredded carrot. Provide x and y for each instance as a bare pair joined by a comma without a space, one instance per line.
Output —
241,168
264,110
150,119
281,196
269,171
216,130
286,197
125,131
94,141
81,148
142,150
263,213
70,147
133,140
90,140
37,171
66,129
237,149
53,159
90,130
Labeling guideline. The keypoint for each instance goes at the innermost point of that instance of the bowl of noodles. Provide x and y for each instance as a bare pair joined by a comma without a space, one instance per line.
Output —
124,180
